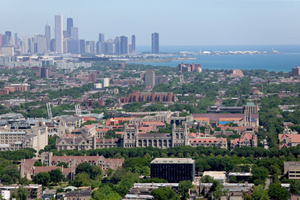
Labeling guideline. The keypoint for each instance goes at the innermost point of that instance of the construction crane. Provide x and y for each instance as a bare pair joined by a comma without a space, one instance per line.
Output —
48,105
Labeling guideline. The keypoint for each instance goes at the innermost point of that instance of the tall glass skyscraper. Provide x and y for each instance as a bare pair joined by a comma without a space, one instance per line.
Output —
59,33
132,50
101,37
69,26
155,43
48,36
124,45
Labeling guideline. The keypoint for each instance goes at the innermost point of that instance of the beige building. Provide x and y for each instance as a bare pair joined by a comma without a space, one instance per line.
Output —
35,191
14,139
292,169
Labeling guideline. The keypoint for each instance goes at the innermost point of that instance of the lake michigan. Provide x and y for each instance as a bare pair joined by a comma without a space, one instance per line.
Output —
289,58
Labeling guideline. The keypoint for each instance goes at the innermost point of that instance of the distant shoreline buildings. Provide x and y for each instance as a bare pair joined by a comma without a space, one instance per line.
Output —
68,41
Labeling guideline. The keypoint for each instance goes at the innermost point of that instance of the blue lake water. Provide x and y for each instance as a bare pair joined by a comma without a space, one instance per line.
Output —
289,58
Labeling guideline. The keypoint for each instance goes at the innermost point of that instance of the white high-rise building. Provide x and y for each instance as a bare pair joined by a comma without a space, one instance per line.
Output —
48,36
41,44
59,33
105,82
25,46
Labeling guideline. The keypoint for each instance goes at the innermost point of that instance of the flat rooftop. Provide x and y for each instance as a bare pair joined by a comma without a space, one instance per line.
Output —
215,174
172,160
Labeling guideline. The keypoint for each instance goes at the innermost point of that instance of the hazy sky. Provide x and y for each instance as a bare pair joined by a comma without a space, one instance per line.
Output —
179,22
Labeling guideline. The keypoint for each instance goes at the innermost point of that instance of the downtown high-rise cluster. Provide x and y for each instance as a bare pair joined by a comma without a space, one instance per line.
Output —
68,41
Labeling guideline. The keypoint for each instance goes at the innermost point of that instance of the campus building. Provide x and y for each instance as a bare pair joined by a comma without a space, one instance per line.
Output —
150,97
248,138
14,139
173,170
132,137
249,117
28,170
292,170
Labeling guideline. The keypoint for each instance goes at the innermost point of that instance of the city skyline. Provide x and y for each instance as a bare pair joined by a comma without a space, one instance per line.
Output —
210,22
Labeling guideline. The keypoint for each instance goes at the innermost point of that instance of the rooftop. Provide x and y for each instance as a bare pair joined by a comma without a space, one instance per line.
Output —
173,160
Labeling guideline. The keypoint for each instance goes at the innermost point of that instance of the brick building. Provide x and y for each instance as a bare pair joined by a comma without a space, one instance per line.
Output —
248,138
27,168
150,97
189,67
296,71
92,77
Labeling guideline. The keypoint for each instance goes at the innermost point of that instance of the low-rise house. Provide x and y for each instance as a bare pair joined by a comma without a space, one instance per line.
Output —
49,194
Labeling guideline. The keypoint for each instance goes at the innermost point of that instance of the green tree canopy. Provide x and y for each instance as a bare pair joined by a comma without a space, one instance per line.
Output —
38,163
259,175
56,176
82,179
260,193
65,165
42,178
12,171
276,192
106,193
184,187
207,179
21,193
93,171
163,193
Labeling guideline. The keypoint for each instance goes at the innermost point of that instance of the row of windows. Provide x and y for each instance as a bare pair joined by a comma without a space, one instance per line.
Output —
294,175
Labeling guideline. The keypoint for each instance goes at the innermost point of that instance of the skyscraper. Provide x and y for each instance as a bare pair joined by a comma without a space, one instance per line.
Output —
117,42
65,34
41,44
5,40
48,36
93,46
8,33
59,33
0,39
124,45
69,26
74,33
132,49
81,46
101,37
155,43
16,39
73,46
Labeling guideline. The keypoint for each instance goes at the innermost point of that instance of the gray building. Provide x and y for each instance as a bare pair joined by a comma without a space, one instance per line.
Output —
155,43
48,36
73,46
59,33
69,26
117,42
124,45
82,46
150,78
74,33
132,49
101,37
